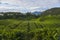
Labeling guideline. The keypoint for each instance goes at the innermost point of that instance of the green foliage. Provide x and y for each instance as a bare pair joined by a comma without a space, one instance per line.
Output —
18,26
27,30
18,15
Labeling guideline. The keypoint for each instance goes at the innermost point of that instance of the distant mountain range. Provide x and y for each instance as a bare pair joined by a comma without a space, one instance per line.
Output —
52,11
36,12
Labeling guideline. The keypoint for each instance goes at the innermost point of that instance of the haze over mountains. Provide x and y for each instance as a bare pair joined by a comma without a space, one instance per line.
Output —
52,11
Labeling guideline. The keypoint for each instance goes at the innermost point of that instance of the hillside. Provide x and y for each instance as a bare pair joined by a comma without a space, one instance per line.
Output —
27,26
50,14
52,11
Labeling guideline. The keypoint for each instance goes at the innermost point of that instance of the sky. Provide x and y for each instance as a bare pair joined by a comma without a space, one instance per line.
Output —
27,5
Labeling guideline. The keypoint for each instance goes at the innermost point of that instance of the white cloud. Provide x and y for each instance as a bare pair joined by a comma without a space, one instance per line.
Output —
28,5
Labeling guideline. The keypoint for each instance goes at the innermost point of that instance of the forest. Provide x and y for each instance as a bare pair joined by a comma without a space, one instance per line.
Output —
29,26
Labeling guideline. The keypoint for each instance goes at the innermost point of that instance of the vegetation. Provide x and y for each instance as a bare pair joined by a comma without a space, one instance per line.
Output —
18,15
19,26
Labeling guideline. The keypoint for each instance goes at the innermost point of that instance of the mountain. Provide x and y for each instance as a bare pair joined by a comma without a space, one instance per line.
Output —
52,14
37,13
52,11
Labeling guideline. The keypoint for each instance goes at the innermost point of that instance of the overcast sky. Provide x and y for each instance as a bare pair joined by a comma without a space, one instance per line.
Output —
28,5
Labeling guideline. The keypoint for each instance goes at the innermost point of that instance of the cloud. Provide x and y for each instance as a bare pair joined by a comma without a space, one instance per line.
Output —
28,5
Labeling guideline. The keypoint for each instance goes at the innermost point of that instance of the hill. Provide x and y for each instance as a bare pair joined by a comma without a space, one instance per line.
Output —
52,11
50,14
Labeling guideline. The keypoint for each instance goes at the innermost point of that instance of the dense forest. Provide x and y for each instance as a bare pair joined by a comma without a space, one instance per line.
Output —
18,15
29,26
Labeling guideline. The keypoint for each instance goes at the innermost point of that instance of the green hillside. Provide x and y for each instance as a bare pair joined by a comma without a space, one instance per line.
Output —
31,27
52,11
